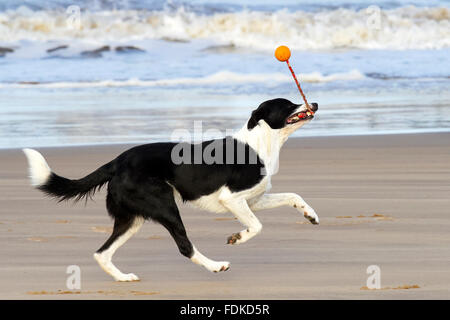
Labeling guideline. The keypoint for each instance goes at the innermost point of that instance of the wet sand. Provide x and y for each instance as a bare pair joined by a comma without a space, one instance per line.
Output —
382,200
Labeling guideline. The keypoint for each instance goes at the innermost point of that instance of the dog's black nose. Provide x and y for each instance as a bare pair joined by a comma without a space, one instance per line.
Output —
314,106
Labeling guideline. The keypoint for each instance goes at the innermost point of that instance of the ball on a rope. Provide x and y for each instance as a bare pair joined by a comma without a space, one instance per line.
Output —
282,53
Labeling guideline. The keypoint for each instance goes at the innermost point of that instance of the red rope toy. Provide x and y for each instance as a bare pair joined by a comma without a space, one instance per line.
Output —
282,53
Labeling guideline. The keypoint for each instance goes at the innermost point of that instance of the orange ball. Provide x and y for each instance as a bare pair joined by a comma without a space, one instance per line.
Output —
282,53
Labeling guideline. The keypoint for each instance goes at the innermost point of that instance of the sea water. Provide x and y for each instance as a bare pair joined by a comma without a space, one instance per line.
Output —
373,67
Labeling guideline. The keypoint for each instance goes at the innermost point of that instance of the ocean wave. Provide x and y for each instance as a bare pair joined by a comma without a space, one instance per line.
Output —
401,28
222,77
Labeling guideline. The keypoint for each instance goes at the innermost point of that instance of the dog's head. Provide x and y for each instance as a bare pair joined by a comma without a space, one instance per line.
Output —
282,114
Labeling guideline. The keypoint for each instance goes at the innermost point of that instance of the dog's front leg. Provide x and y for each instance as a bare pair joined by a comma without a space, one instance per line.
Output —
275,200
242,212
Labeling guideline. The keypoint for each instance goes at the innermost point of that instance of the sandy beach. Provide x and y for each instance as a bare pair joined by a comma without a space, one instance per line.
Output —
382,200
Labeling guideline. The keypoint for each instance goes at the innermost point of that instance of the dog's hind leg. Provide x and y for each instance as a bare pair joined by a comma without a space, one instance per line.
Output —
124,229
154,199
173,223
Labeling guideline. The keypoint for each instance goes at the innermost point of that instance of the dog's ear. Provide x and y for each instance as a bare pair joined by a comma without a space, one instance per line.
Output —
253,122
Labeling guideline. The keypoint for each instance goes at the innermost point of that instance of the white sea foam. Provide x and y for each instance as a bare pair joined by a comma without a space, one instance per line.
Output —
222,77
401,28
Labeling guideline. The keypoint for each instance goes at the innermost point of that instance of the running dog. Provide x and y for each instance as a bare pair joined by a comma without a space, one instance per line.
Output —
223,175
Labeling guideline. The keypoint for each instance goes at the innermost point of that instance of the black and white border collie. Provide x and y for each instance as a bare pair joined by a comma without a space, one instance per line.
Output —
145,182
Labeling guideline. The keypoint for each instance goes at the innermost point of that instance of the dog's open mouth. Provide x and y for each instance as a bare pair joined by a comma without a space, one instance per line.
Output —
300,116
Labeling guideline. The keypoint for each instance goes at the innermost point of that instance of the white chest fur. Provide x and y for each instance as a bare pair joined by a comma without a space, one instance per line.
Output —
211,202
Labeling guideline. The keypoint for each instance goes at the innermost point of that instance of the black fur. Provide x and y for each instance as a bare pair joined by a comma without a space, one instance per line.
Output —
274,112
65,189
140,183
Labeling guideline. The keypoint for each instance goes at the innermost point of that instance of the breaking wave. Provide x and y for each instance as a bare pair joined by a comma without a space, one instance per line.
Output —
401,28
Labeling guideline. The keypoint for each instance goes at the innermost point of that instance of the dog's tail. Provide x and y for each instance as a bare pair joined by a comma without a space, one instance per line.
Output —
44,179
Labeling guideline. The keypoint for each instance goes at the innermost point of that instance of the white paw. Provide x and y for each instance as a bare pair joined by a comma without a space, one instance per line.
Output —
311,216
127,277
219,266
106,264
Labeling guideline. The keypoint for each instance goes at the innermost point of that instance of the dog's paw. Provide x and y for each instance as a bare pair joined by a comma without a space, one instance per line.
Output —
127,277
234,238
220,266
312,217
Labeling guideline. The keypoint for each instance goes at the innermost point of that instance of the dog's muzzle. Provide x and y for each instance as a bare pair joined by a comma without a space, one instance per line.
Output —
303,115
